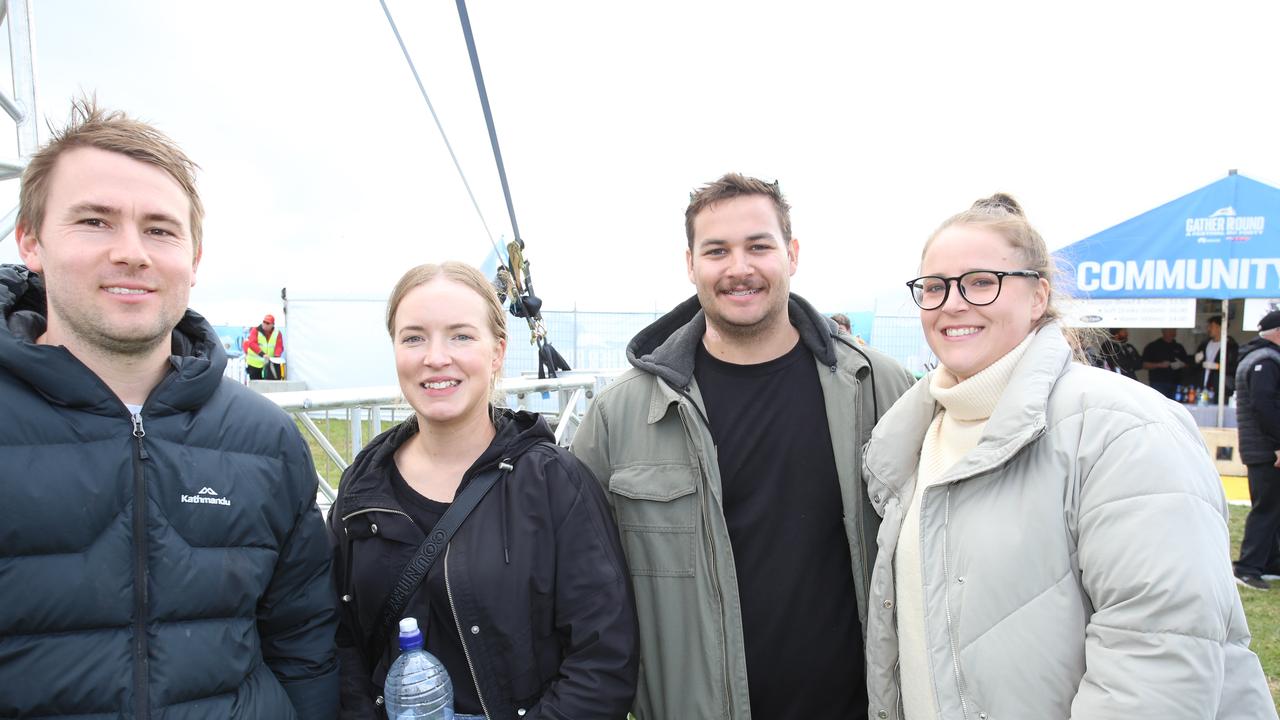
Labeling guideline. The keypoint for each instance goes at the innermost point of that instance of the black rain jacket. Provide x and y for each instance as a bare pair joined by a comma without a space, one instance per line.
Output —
176,570
552,632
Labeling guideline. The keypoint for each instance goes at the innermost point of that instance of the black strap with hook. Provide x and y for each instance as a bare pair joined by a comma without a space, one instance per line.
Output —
524,303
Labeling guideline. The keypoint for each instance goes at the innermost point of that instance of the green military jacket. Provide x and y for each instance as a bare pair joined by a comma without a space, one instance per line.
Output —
647,440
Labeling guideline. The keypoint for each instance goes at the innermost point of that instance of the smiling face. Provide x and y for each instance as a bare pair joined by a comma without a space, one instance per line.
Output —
446,355
966,338
115,252
742,266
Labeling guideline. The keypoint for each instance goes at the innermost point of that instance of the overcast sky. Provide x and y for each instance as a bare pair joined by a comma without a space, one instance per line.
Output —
322,171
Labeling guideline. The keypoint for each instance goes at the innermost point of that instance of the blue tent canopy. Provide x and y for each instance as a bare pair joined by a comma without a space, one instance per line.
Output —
1221,241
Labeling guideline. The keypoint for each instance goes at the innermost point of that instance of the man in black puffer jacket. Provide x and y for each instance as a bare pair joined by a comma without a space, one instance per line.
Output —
1258,414
161,554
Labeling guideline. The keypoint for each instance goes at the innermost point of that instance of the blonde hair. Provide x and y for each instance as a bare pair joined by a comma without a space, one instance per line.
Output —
1001,214
112,131
462,274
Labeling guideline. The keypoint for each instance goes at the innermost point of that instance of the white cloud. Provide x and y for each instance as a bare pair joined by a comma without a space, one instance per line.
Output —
322,169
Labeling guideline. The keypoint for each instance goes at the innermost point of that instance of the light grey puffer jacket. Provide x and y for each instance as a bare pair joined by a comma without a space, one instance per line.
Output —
1075,562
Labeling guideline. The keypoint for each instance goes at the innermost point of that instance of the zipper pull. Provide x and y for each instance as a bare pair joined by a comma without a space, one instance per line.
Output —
139,433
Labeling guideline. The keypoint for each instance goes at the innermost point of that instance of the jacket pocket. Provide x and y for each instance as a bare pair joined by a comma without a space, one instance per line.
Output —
657,509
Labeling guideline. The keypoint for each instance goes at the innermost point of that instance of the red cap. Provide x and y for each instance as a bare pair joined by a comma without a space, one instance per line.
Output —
269,319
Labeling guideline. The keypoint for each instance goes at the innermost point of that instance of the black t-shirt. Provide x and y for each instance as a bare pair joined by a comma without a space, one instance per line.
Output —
1160,351
783,507
439,631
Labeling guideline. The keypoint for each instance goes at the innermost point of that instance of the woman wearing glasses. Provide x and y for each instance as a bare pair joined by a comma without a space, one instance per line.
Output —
1054,541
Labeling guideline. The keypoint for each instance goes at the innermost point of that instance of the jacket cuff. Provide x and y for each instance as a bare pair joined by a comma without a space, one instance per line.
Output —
315,698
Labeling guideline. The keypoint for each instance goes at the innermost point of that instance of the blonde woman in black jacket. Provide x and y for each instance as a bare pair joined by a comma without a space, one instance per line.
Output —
530,607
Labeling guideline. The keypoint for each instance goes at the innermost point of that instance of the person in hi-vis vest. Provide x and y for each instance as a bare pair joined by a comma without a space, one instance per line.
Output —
264,342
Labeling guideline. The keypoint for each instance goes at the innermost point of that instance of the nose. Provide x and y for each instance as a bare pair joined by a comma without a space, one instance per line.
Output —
128,247
436,355
739,266
955,302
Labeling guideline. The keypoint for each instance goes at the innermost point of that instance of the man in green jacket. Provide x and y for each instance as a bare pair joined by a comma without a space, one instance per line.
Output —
731,454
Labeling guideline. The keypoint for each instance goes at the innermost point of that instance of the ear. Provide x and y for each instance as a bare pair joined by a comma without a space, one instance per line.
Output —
29,248
195,263
1040,299
499,355
793,253
688,259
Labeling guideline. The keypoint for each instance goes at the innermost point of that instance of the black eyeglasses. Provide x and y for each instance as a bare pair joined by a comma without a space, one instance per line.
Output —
977,287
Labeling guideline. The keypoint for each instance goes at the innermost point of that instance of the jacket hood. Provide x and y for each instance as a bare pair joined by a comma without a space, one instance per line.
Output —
197,362
517,431
1255,344
668,346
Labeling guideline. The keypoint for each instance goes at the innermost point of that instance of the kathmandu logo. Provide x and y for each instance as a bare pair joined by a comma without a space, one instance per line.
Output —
206,496
1224,223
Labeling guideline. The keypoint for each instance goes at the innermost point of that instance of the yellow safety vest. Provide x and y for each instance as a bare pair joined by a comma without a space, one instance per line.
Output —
268,348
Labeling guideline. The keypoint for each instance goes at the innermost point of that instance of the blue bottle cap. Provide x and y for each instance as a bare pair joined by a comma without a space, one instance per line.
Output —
410,636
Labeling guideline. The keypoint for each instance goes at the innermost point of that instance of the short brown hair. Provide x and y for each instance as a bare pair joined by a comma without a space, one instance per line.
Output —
113,131
733,185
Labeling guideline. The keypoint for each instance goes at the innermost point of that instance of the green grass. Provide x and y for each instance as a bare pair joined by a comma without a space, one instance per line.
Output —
1263,611
337,430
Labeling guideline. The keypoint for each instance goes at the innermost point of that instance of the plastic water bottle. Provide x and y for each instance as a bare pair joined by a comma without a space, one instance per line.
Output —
417,685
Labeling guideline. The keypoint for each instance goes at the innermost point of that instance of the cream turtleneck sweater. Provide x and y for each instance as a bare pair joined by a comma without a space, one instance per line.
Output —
965,408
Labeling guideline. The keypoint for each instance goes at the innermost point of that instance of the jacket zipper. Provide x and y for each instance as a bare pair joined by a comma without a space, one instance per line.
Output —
858,520
142,702
946,602
373,509
897,680
448,590
715,573
715,585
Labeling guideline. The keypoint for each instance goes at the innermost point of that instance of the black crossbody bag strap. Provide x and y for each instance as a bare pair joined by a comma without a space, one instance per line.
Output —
415,571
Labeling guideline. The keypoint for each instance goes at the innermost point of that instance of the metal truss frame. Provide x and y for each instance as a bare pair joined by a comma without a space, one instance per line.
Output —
21,108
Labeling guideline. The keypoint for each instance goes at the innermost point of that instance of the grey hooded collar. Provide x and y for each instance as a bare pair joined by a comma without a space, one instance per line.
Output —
667,347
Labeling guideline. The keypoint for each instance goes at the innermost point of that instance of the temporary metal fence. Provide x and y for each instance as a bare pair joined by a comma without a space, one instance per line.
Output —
586,339
351,417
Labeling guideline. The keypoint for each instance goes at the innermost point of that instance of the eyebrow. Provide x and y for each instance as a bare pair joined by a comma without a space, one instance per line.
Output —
750,238
100,209
454,326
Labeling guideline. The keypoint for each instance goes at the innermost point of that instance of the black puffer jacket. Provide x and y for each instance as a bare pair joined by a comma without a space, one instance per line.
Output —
552,632
176,571
1258,401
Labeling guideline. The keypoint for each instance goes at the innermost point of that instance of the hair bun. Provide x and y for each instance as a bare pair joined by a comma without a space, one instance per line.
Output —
999,202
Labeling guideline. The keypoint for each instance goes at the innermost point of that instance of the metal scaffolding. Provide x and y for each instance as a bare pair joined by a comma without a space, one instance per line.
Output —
16,14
